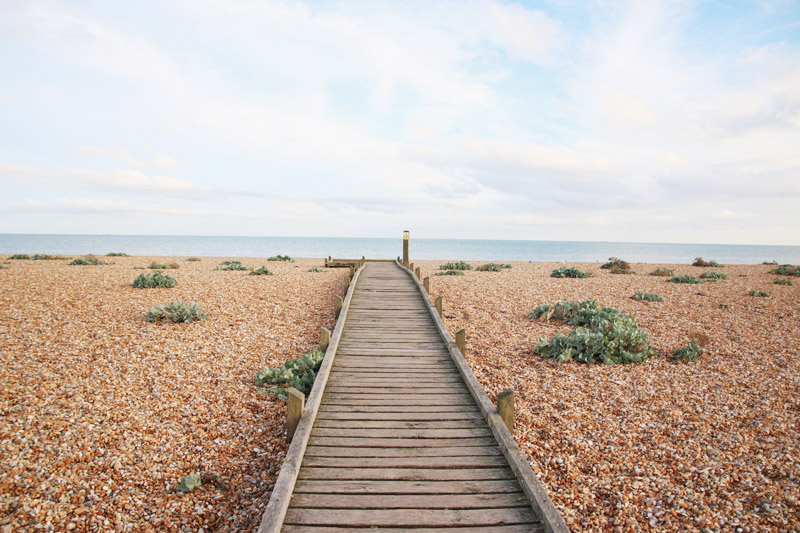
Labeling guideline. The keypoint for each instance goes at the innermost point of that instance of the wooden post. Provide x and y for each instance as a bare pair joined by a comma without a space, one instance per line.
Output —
416,271
438,304
346,282
339,303
295,403
411,267
505,408
405,248
461,341
324,339
352,271
427,284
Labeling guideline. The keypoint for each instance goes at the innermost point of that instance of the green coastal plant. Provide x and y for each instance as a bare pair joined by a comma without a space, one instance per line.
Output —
783,282
285,258
760,294
618,266
713,276
232,265
698,262
660,271
685,279
117,254
298,373
449,273
164,266
647,296
262,271
193,259
690,352
48,257
177,312
783,270
20,256
773,262
90,260
138,268
569,272
458,265
603,334
316,269
153,281
189,483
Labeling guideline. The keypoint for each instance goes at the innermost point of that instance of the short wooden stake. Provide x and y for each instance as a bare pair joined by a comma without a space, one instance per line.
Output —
505,408
427,284
346,282
352,271
461,341
438,304
411,267
416,271
324,339
339,303
295,403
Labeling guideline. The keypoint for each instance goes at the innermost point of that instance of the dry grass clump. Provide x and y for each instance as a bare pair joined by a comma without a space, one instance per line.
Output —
699,262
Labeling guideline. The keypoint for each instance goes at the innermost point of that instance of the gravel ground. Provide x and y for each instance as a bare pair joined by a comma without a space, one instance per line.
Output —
656,446
101,413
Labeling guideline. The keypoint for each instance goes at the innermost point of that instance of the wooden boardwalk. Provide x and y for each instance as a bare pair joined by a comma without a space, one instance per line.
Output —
398,440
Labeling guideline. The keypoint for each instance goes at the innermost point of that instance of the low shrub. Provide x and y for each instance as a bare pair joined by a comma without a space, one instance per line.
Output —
614,262
298,373
316,269
660,271
189,483
262,271
460,265
760,294
177,312
783,270
619,270
138,268
492,267
117,254
698,262
647,296
87,261
569,272
773,262
684,279
783,282
232,265
713,276
48,257
193,259
604,335
154,281
164,266
563,310
20,256
690,352
449,273
285,258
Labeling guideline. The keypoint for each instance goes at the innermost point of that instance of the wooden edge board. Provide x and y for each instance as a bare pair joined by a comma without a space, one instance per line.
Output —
272,519
533,488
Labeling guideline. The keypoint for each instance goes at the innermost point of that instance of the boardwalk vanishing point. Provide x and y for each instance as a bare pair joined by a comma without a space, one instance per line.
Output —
397,433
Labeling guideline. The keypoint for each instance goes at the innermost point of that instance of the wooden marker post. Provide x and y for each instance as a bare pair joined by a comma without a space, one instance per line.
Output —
295,403
416,271
438,304
324,339
339,303
405,248
461,341
411,267
505,408
427,284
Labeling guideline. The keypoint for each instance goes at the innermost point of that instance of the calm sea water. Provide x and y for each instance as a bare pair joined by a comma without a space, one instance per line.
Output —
443,249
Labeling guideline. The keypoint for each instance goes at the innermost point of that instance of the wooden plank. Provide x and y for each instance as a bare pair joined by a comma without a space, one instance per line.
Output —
401,433
410,501
397,409
423,388
404,518
455,415
495,461
361,452
405,474
405,487
401,443
517,528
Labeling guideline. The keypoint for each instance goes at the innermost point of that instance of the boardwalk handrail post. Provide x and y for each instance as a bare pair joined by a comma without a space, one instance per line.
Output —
438,304
427,284
505,408
324,339
405,248
295,402
461,341
338,308
416,271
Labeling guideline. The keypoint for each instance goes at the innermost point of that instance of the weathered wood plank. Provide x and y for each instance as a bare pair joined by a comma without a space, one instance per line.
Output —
404,518
405,474
496,461
401,433
518,528
428,452
400,443
410,501
398,415
405,487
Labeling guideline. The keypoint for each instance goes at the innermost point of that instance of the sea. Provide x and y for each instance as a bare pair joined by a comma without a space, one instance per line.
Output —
389,248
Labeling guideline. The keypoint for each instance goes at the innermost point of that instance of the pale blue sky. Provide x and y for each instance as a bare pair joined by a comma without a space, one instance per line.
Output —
625,121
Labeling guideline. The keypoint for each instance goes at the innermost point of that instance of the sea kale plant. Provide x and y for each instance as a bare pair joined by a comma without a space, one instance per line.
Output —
459,265
661,271
685,279
449,273
48,257
492,267
647,296
602,334
164,266
262,271
298,373
231,265
117,254
90,260
783,282
153,281
285,258
783,270
760,294
569,272
177,312
713,276
690,352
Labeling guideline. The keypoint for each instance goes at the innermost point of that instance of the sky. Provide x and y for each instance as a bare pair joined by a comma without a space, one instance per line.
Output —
646,121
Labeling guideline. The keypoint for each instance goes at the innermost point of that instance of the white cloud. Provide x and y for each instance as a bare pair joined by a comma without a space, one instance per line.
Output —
159,161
